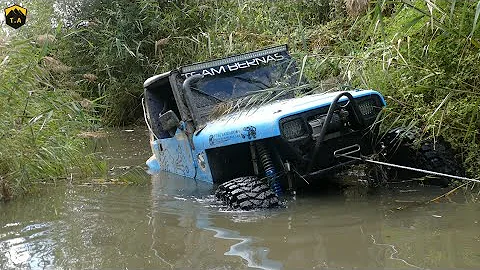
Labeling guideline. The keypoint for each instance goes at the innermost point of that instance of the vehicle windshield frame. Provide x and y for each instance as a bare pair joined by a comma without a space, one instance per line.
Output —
271,70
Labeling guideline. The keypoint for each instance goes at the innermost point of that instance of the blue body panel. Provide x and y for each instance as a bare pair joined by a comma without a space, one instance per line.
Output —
177,156
174,155
263,122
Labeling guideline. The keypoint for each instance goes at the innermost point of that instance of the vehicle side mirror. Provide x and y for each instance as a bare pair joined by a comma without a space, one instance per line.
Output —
169,120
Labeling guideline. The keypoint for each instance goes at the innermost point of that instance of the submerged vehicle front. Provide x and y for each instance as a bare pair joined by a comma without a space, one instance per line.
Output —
245,122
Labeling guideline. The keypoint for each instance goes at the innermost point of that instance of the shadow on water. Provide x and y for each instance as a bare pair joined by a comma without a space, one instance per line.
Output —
174,222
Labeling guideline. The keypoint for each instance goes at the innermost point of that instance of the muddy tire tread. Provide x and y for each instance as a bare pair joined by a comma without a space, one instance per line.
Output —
246,193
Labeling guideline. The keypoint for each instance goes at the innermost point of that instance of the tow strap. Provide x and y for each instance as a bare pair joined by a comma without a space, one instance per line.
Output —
349,150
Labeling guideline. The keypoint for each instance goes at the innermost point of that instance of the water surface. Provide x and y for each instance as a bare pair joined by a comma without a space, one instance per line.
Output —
173,222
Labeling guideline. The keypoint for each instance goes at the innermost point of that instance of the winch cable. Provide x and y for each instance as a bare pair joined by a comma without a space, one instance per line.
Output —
365,159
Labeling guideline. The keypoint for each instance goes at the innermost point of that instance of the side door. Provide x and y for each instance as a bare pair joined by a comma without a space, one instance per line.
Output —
175,154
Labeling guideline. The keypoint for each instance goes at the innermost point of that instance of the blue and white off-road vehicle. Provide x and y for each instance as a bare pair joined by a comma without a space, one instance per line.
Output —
243,124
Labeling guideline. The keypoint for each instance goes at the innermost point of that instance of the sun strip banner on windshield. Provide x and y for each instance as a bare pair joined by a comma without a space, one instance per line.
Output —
238,62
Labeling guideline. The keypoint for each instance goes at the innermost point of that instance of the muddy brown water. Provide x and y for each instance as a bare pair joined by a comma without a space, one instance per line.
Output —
173,222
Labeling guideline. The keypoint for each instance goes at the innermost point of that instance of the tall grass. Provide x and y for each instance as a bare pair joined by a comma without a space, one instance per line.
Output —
40,116
423,57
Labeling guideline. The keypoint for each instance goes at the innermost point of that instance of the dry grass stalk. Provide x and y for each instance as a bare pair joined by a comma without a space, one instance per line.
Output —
221,109
55,65
45,39
160,43
90,77
88,24
85,103
92,134
356,7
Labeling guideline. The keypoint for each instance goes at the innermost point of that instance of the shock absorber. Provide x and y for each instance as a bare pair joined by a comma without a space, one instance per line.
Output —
269,168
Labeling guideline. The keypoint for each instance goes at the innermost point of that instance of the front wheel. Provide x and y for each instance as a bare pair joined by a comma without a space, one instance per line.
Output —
247,193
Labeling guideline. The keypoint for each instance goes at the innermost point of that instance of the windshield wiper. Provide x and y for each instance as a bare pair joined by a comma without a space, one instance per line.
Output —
250,80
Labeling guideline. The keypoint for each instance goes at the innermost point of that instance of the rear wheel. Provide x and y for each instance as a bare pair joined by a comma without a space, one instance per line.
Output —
247,193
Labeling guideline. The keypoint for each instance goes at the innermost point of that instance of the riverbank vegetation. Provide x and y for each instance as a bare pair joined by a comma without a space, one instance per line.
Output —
41,114
422,55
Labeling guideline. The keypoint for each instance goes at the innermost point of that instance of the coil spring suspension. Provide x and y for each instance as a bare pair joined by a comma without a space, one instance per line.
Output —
269,168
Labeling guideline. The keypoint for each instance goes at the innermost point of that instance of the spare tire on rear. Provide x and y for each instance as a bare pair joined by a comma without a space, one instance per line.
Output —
247,193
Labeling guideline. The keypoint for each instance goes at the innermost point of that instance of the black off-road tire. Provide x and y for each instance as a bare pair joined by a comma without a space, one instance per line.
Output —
435,156
247,193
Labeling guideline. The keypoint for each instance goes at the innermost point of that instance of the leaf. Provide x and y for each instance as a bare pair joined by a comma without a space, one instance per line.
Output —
430,6
35,119
452,9
118,45
49,115
378,10
475,21
433,19
413,22
129,51
303,68
440,106
475,43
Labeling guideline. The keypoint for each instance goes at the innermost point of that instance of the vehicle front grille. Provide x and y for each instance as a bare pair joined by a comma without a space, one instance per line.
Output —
306,124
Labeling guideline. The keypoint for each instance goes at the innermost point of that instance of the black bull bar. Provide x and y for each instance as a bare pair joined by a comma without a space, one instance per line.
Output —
333,106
